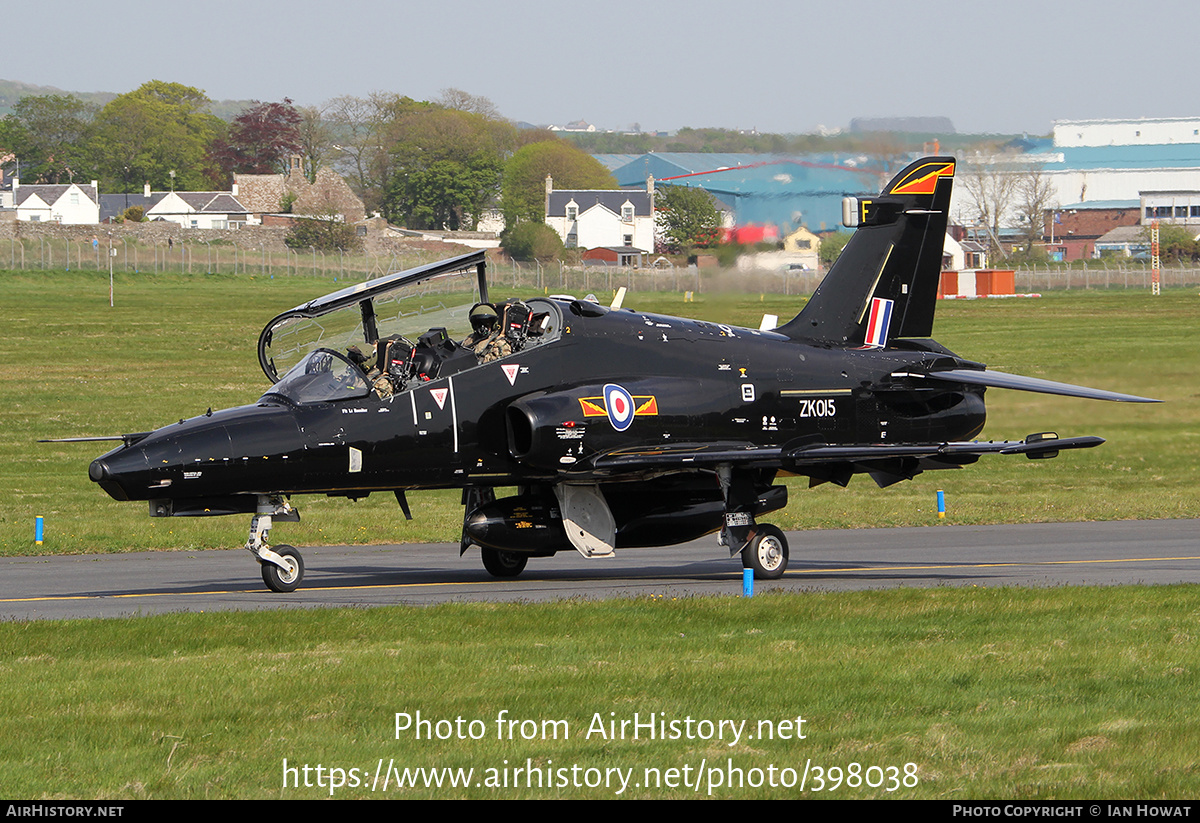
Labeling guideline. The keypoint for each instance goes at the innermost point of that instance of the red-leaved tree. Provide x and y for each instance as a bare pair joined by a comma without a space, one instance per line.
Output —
260,140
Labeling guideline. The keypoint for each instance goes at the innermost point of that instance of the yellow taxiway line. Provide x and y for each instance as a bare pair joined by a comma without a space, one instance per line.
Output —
790,572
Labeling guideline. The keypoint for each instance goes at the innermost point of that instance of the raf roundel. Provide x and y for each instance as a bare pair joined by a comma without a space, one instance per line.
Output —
619,404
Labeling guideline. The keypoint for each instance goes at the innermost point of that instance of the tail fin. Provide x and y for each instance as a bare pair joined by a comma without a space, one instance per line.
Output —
895,254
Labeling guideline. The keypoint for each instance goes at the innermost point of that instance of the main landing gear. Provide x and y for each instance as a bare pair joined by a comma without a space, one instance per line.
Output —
283,567
498,562
501,563
766,553
762,546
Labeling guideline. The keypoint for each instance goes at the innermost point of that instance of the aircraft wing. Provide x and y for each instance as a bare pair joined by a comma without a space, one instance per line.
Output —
1035,445
678,456
128,439
1002,380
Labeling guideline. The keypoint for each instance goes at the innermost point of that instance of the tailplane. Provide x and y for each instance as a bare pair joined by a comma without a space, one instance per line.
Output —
890,267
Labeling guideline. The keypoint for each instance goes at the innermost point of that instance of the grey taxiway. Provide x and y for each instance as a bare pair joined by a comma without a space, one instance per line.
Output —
1045,554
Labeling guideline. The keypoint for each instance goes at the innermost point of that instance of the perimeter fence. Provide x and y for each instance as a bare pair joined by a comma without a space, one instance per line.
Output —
129,256
1102,276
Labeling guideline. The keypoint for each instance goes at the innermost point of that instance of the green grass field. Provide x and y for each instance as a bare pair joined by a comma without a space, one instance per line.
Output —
1062,693
1001,693
175,345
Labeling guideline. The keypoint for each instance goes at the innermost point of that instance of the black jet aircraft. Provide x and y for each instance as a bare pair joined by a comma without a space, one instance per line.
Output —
616,427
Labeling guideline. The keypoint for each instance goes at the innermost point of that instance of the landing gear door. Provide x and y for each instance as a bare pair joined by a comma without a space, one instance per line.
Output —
587,519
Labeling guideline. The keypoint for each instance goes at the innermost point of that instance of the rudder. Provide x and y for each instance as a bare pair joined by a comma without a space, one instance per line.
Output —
895,254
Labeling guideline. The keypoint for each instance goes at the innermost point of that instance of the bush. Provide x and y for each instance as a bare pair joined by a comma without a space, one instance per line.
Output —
832,245
133,214
1025,256
688,217
532,241
1175,244
323,235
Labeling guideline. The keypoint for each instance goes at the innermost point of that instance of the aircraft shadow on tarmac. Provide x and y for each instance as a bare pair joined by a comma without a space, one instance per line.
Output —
366,575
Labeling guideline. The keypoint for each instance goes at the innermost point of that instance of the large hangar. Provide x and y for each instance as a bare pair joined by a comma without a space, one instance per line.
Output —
762,189
1097,160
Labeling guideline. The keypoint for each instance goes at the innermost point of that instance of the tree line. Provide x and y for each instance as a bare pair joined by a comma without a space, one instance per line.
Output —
425,164
422,164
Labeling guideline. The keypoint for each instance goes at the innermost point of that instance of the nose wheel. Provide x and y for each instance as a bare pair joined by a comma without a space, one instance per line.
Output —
282,567
285,578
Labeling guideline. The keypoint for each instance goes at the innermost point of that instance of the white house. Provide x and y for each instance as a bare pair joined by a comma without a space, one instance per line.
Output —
962,254
595,218
200,210
71,204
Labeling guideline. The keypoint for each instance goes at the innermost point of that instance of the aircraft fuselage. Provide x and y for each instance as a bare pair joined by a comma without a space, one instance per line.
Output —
541,413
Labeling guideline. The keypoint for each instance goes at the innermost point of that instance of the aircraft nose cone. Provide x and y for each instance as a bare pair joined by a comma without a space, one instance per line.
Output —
98,471
121,472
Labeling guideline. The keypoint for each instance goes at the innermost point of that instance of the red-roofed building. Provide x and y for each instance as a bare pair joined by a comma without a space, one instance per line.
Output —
1071,232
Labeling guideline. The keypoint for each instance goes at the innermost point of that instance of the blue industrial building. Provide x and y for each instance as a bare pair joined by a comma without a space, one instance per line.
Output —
760,189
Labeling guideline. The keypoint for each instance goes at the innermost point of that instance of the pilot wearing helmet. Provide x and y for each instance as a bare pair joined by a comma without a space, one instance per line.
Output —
485,327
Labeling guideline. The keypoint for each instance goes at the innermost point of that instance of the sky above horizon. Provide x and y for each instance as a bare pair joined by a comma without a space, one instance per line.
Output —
758,64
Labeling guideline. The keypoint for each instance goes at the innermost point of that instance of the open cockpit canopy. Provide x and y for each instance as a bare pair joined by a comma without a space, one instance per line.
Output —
401,304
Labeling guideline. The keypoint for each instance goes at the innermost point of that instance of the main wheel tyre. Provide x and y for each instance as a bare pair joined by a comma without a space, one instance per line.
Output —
767,554
500,563
284,580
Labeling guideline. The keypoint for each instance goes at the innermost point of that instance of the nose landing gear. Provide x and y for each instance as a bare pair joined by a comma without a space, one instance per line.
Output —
282,568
